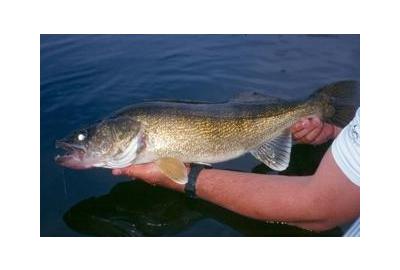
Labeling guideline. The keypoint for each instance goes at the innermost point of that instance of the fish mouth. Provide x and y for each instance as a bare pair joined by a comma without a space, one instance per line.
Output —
73,157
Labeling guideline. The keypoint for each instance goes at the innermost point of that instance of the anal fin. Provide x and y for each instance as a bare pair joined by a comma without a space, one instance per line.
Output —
275,153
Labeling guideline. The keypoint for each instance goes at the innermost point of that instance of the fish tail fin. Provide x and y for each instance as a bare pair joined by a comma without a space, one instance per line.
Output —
339,100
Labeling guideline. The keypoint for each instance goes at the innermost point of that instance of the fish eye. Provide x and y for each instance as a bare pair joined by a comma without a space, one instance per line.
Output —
82,134
81,137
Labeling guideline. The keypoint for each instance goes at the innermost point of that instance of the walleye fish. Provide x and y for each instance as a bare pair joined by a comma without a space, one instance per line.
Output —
173,133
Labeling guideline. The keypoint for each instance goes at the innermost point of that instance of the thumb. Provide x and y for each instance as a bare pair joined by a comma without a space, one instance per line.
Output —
116,171
129,171
140,171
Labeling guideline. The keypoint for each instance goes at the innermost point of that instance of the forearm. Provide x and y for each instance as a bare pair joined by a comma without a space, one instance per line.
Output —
319,202
263,197
309,202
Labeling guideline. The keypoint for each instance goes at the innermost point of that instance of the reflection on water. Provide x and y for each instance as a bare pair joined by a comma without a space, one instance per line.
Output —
131,209
137,209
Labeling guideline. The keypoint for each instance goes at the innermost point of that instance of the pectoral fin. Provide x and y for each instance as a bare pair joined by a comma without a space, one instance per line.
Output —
276,152
173,169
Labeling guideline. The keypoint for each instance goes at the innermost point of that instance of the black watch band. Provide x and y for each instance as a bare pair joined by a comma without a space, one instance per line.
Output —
190,187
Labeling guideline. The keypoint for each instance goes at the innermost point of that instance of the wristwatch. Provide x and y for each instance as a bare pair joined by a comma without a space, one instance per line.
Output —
190,187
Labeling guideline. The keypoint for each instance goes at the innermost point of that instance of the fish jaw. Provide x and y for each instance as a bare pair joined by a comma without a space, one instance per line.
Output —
72,162
75,157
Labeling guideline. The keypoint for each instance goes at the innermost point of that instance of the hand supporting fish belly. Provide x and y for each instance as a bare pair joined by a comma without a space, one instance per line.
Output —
173,133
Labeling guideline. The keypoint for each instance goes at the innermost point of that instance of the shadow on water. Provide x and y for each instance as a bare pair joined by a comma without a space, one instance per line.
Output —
138,209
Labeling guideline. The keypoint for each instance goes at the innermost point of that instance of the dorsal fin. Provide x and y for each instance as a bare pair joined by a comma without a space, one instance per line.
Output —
255,96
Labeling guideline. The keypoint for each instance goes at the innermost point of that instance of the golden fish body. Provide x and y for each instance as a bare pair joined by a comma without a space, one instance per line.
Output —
211,133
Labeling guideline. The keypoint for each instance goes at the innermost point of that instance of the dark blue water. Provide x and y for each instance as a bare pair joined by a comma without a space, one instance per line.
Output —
86,77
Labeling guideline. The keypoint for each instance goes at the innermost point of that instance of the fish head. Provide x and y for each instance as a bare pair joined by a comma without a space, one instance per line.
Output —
111,143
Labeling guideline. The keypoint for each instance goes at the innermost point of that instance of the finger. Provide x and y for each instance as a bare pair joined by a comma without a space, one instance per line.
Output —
300,125
316,121
301,132
312,135
300,135
138,171
116,171
314,128
123,171
308,125
329,132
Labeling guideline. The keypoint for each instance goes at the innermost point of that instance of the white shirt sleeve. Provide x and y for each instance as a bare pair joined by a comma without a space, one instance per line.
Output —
346,150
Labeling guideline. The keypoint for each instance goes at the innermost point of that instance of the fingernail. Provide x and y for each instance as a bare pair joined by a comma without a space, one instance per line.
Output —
116,172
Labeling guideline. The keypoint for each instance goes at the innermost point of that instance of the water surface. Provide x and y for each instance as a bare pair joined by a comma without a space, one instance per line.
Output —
86,77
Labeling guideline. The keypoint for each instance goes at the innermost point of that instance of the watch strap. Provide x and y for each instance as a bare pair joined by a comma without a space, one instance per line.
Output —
190,187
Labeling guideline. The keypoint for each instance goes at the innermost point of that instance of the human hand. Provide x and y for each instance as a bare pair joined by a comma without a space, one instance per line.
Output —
313,131
150,174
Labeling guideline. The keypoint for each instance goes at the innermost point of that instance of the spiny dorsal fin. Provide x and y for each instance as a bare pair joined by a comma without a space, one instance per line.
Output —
254,96
276,152
173,168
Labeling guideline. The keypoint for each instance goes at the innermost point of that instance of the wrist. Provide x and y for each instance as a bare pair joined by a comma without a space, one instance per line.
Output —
202,184
336,131
168,183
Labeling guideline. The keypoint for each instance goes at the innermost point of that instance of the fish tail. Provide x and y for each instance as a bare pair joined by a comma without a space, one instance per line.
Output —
339,101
